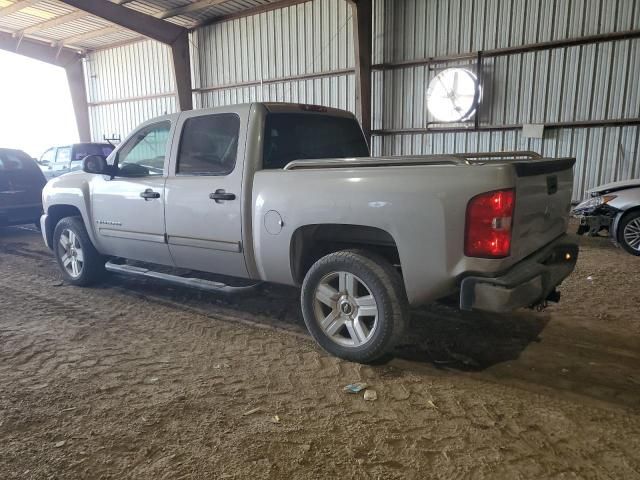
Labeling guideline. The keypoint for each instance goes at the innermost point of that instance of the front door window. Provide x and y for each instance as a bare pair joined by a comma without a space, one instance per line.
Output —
144,154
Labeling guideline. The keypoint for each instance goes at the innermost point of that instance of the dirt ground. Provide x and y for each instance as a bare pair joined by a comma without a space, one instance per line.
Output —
143,380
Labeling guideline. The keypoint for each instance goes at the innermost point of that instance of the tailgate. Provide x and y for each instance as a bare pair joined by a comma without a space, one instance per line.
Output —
543,201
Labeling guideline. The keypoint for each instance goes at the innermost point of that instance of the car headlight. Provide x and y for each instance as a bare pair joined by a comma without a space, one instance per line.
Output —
594,202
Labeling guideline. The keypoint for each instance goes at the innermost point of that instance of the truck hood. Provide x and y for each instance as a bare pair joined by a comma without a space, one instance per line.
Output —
614,187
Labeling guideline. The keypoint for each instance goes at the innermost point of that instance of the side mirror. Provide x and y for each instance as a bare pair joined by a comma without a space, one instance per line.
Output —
44,163
95,164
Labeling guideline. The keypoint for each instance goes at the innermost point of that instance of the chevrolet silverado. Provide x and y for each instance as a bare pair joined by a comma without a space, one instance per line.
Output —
288,193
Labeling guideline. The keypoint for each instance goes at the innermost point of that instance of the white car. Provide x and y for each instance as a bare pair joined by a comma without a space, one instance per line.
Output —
614,207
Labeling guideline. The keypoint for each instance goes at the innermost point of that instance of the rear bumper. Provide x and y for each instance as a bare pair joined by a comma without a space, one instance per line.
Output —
19,215
525,284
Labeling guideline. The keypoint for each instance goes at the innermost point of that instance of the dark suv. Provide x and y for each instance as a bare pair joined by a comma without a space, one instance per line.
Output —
21,183
59,160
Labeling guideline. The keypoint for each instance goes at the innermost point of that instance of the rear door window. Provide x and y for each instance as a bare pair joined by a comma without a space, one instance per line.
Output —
299,136
209,145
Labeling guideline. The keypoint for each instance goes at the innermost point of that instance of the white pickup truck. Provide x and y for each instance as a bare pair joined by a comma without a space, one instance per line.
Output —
288,193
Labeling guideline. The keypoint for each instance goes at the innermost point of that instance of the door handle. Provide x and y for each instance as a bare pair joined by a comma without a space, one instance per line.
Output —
220,195
148,194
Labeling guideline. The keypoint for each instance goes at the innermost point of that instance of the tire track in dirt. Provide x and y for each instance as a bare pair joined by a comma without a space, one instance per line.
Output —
526,375
160,390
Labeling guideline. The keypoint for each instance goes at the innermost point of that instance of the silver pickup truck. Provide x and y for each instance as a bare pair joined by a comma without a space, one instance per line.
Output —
288,193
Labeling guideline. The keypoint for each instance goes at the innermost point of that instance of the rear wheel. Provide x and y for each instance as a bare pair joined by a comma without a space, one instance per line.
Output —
77,258
354,305
629,233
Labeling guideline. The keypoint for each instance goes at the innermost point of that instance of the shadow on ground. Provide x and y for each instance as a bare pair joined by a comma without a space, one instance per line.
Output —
439,334
446,337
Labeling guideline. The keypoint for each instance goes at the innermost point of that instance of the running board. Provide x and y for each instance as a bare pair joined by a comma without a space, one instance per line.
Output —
199,283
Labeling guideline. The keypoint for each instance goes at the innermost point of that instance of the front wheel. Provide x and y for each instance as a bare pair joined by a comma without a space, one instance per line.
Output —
77,258
354,305
629,233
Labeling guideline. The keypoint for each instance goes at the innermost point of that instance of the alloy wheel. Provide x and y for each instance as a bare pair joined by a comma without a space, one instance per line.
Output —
71,254
345,309
632,234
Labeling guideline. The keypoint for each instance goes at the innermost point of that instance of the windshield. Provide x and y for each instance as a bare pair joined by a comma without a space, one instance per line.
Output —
300,136
16,160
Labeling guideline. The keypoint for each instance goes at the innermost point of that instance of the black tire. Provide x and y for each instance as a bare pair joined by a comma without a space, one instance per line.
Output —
92,269
624,223
383,282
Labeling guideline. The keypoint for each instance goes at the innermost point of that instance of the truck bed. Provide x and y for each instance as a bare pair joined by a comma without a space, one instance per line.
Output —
421,203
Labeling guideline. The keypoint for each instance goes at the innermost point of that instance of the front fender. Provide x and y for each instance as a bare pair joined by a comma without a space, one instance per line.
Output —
61,194
625,201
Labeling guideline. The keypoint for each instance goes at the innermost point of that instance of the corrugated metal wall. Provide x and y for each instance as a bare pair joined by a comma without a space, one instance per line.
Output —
127,85
304,53
589,82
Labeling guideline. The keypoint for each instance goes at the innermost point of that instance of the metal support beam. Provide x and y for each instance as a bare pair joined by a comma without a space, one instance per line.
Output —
77,87
130,19
362,32
160,30
182,71
66,58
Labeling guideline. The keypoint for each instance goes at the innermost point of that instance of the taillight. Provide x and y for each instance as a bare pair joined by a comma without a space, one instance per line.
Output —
488,229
